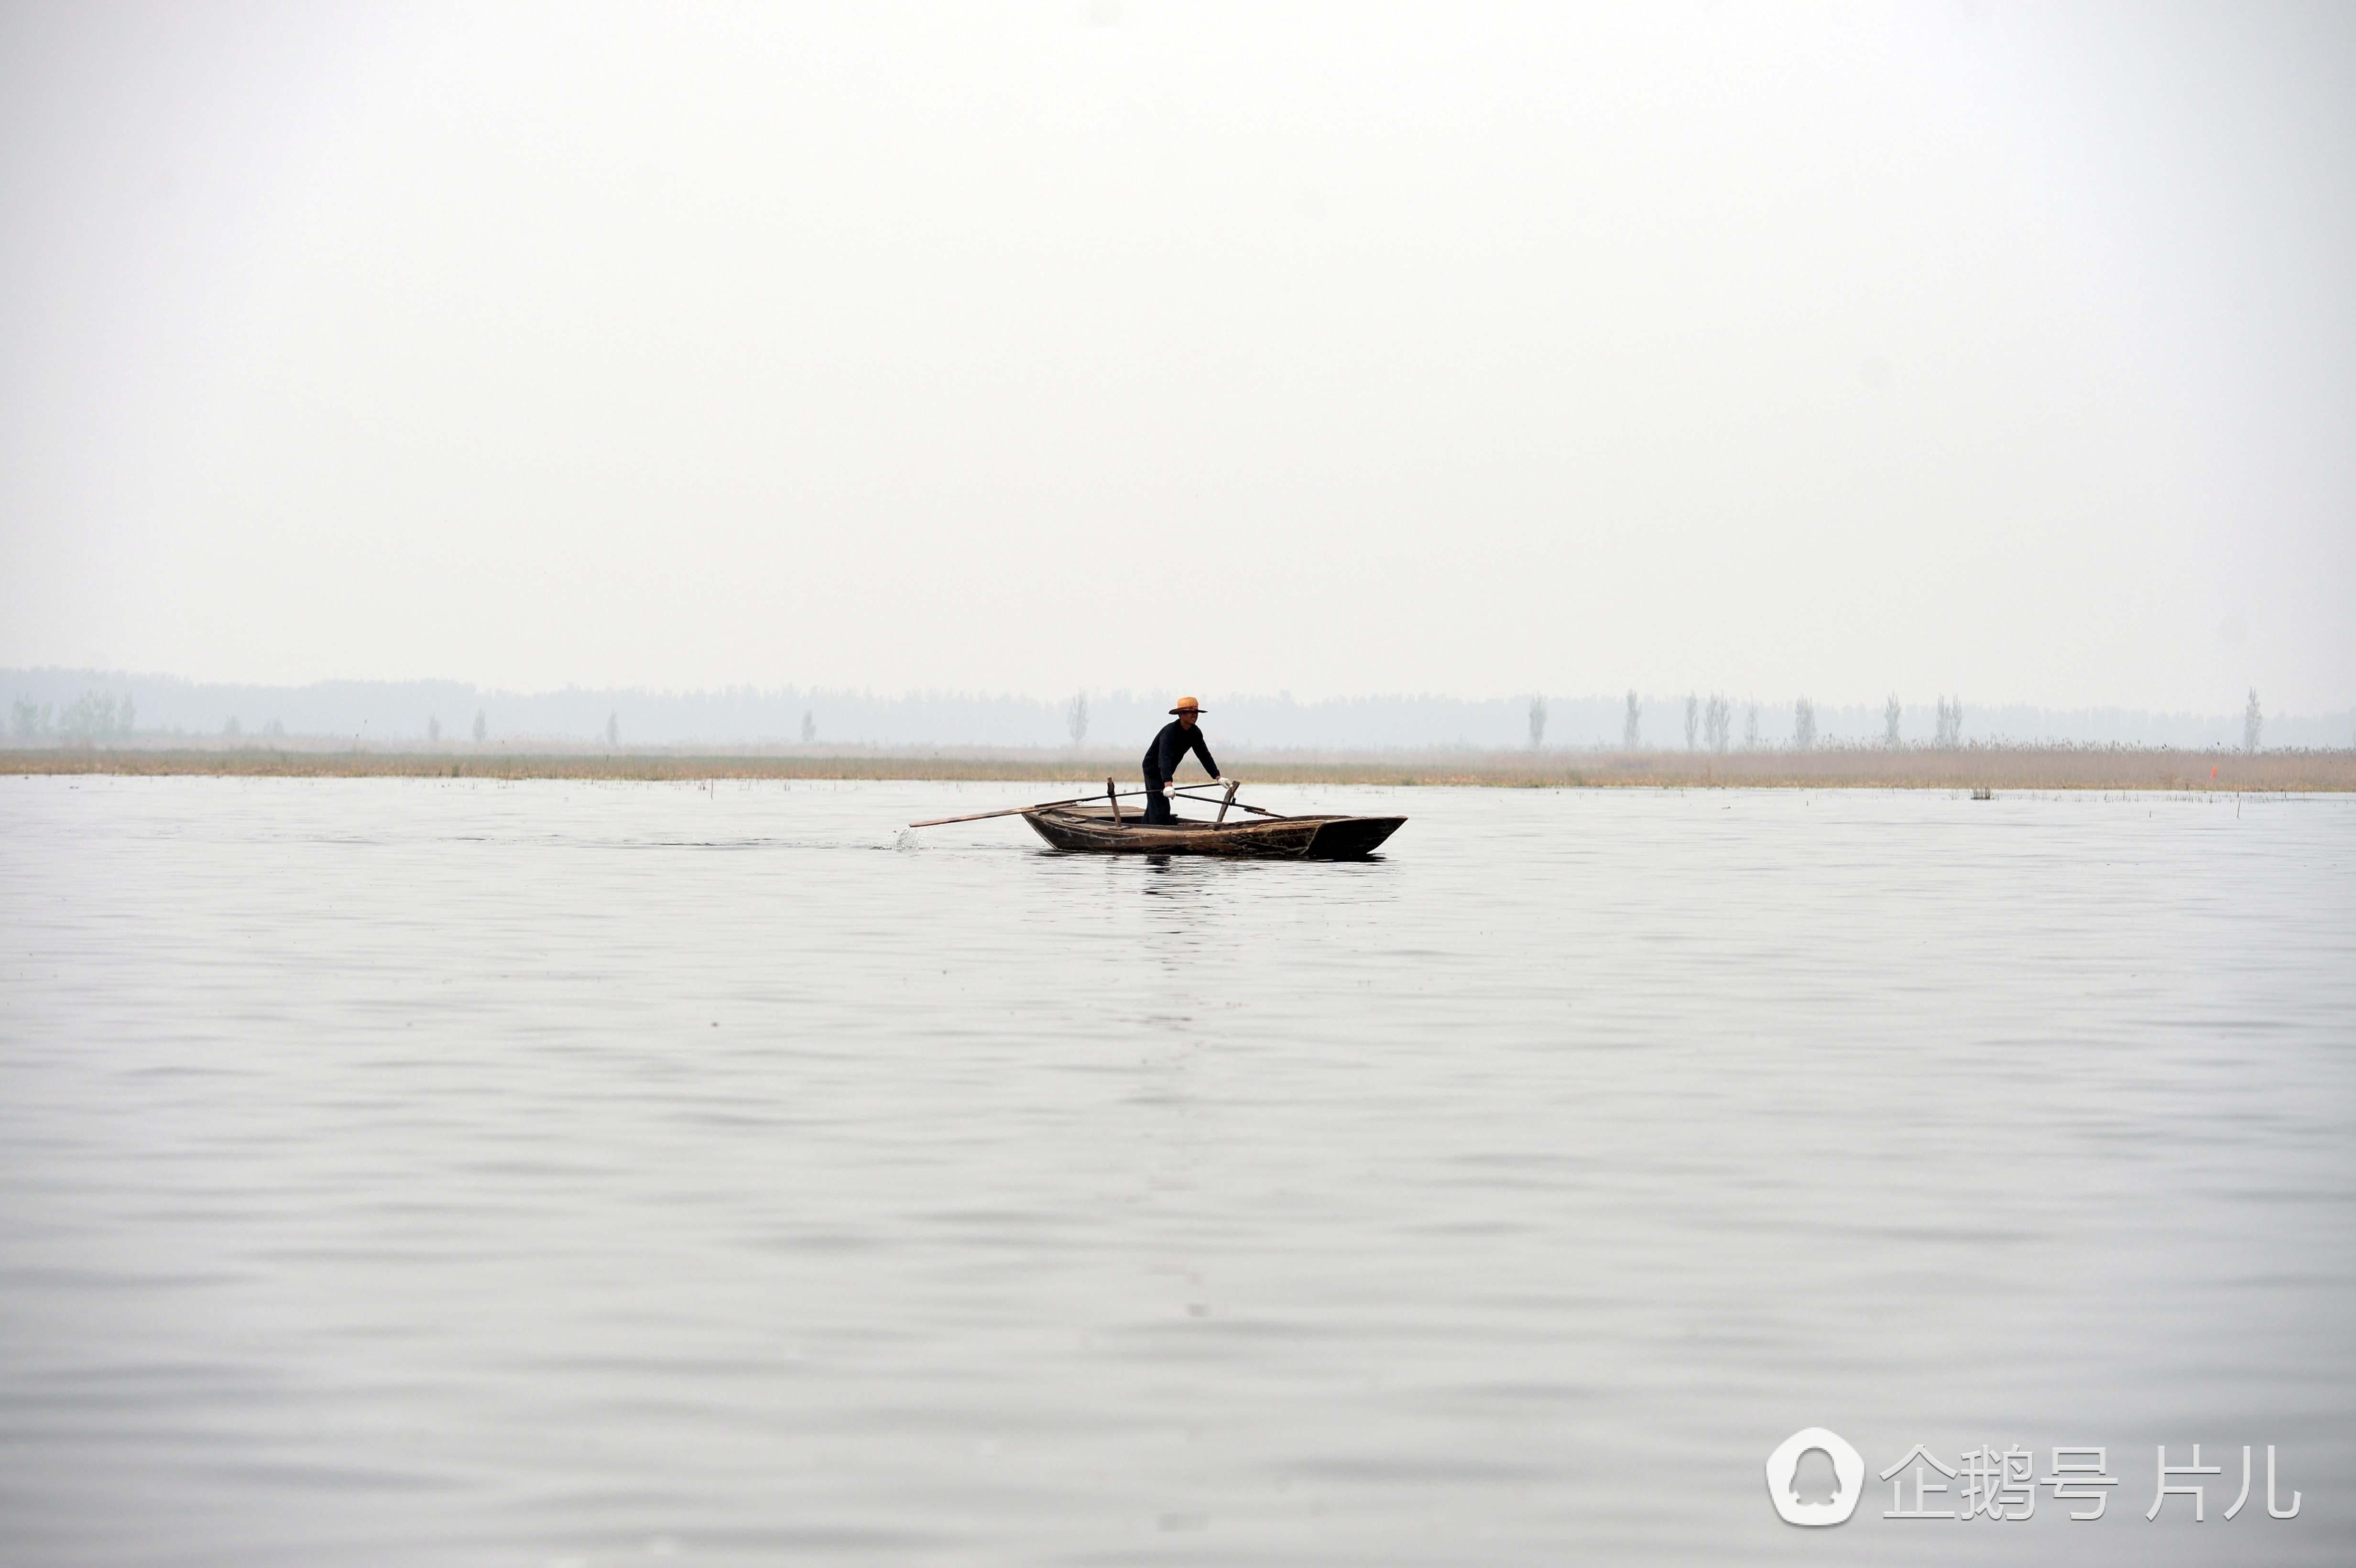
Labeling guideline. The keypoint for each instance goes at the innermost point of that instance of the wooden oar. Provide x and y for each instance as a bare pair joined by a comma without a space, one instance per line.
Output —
1077,800
1239,805
1019,810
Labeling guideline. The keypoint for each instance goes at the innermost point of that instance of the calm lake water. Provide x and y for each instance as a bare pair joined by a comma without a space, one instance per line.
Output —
463,1172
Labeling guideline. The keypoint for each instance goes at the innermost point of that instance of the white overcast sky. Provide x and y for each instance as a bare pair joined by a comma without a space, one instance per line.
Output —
1458,348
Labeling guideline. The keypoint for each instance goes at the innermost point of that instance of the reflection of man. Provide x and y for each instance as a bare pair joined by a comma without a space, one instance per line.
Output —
1178,737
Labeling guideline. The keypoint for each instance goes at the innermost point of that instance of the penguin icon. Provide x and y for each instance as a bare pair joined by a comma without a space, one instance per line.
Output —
1784,1469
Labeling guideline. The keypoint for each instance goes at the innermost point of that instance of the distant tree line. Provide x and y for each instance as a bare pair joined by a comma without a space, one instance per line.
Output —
1710,723
53,707
94,716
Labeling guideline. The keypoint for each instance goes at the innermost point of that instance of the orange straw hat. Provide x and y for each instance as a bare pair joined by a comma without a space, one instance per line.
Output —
1187,705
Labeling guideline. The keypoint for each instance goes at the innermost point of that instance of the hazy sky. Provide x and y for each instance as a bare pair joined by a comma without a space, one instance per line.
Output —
1452,348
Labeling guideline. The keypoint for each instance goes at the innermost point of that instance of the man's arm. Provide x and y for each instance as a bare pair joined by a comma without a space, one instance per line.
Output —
1202,750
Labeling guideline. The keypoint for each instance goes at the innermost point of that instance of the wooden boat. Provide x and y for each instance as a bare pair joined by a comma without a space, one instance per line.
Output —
1093,828
1097,825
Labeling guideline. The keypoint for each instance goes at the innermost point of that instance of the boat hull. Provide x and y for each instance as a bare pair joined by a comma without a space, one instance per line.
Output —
1093,830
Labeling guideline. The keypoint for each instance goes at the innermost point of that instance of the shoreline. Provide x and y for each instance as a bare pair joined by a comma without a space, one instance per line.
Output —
1977,767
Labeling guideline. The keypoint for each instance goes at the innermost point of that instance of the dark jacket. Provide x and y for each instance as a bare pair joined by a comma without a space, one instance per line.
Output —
1169,749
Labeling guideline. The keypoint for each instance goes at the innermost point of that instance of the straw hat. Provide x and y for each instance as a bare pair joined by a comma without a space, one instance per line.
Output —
1186,704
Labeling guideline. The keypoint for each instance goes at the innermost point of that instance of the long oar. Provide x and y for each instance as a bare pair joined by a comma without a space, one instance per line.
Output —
1211,800
1075,800
1019,810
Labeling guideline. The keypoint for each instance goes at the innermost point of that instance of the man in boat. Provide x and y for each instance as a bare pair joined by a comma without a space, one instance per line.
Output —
1178,737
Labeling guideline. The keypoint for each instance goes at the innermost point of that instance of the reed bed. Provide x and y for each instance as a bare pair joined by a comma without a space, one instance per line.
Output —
1970,767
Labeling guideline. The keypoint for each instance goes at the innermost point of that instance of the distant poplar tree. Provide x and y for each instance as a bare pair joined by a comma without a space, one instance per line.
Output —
233,729
482,726
1890,714
1628,731
1804,725
2253,723
434,730
1076,718
1693,720
95,715
613,729
1537,723
1717,721
1951,723
809,726
1750,727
